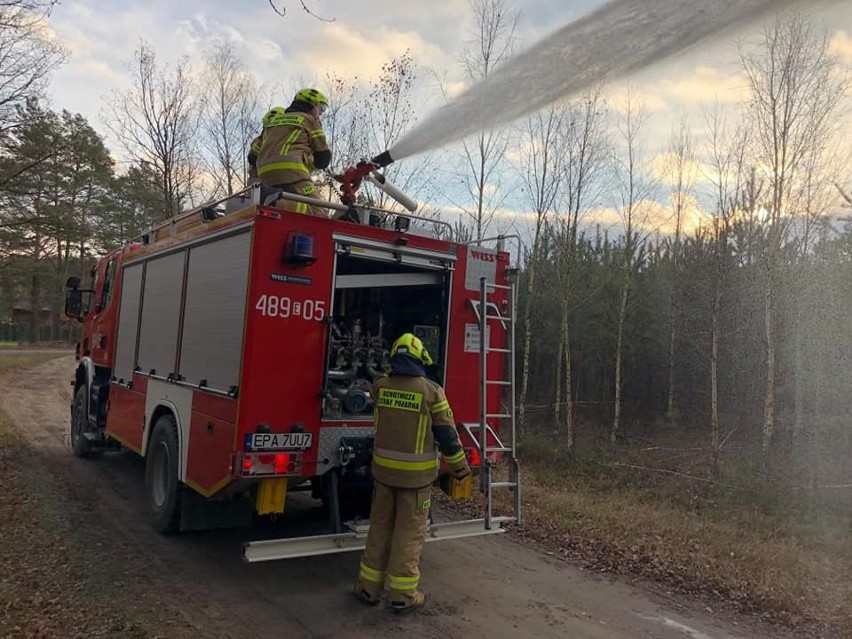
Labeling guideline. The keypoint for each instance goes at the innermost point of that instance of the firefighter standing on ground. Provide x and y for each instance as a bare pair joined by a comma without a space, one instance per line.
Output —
293,146
412,418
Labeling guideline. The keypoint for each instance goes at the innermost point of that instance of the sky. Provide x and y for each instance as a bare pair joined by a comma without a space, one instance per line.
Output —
298,48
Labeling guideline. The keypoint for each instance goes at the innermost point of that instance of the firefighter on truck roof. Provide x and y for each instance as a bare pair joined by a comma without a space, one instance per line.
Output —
254,151
292,146
412,418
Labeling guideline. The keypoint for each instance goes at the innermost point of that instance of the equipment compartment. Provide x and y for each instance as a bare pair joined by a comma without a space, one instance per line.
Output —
376,299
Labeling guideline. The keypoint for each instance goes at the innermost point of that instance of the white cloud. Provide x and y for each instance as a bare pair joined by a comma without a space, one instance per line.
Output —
705,85
650,218
664,168
607,218
640,95
102,36
455,89
345,51
841,44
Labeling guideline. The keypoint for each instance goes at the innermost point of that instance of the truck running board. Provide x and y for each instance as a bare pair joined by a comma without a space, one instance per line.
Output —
254,551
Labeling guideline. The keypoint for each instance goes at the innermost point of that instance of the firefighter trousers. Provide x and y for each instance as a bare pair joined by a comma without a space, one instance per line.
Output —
398,523
302,187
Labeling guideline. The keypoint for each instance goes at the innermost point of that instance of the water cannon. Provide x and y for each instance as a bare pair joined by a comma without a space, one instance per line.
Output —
352,178
383,159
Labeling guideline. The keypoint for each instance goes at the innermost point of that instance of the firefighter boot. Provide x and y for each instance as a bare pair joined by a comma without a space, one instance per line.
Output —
364,596
412,510
417,600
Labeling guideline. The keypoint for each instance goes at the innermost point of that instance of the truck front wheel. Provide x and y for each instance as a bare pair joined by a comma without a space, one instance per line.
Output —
81,446
161,477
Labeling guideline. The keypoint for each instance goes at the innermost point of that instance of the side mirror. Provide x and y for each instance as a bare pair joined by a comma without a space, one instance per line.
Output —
74,306
74,303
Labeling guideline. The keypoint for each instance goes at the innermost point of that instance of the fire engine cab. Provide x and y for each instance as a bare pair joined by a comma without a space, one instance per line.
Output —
234,347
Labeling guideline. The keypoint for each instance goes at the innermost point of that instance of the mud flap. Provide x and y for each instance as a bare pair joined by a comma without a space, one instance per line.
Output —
271,495
199,513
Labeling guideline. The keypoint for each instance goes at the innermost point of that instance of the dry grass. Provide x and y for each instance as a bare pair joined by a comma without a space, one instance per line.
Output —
34,346
786,561
14,363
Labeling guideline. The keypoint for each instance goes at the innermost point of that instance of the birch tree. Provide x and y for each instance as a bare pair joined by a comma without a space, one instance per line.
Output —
541,171
681,176
726,151
634,189
817,198
795,95
493,37
231,117
586,151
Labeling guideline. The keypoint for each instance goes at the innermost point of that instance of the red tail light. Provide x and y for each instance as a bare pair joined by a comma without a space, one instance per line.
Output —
270,464
282,460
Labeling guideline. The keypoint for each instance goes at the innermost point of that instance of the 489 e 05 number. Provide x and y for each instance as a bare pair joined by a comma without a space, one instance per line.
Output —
284,307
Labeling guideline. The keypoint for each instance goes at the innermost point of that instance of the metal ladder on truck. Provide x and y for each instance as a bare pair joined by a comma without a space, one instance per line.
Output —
487,439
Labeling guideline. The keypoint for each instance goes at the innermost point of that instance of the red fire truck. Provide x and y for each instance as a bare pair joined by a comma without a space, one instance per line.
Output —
234,347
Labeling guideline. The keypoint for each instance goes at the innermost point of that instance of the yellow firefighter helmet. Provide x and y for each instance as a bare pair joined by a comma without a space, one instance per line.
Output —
274,112
410,344
312,97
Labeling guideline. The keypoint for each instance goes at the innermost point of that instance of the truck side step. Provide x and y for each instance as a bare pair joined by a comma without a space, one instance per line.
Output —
273,549
98,442
503,484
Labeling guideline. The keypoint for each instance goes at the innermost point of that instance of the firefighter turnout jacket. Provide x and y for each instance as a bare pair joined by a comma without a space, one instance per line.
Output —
254,151
293,146
412,417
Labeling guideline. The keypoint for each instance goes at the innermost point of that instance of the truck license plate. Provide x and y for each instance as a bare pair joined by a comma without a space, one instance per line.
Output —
278,441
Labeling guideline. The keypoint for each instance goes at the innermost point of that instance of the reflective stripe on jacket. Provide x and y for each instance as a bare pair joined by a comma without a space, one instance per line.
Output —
287,149
408,413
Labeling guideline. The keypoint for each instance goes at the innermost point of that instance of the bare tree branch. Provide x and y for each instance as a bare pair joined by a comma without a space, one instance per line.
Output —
283,12
311,13
156,121
231,117
26,56
846,196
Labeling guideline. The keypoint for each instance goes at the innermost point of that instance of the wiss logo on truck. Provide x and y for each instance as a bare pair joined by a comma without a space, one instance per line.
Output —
234,347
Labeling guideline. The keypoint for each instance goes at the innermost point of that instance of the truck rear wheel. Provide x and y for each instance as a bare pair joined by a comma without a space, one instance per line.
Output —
161,477
81,446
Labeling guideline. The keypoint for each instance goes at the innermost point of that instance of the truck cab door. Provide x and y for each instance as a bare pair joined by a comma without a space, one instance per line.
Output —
103,314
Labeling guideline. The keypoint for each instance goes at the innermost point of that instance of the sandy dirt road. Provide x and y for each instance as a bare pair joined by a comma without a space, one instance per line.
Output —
495,587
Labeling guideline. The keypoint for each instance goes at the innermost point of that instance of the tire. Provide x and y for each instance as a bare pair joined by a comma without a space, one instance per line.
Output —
81,446
162,486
